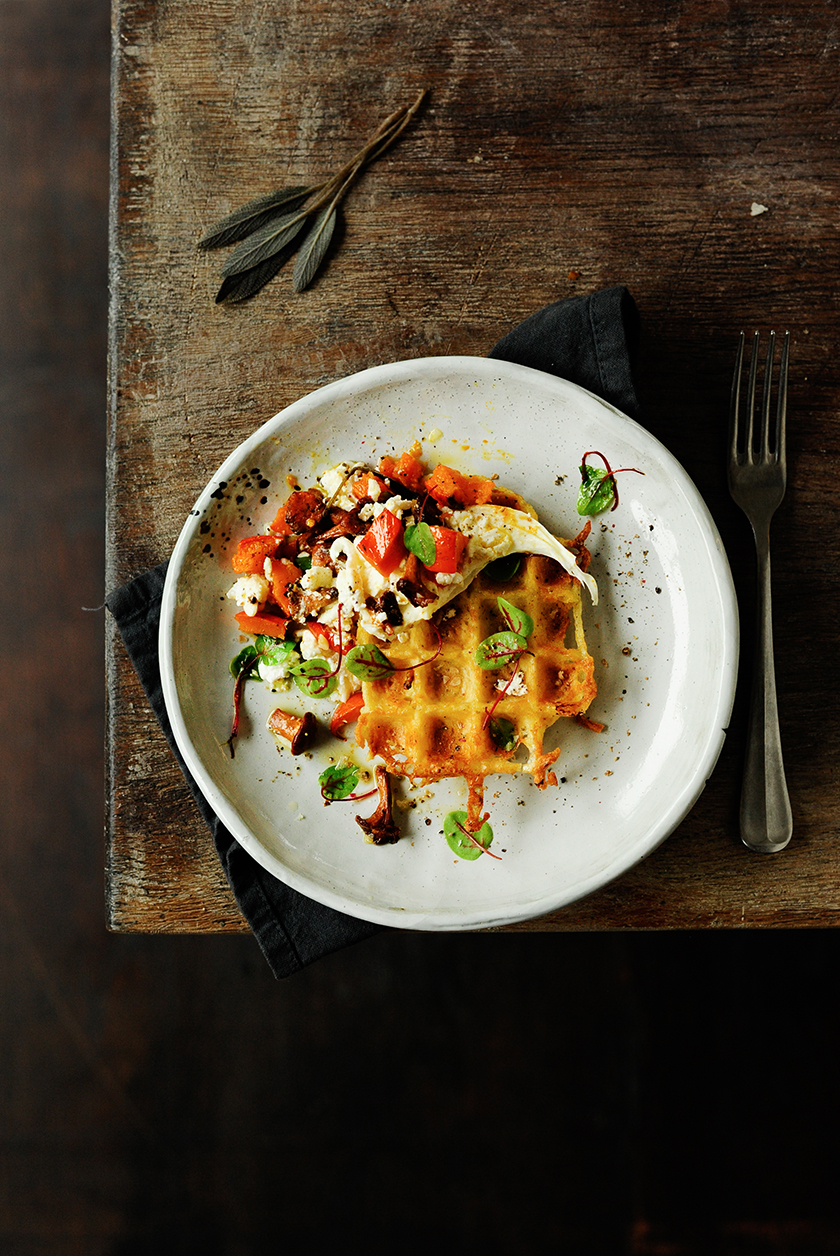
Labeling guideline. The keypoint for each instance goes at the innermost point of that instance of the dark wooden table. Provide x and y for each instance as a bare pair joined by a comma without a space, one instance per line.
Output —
688,150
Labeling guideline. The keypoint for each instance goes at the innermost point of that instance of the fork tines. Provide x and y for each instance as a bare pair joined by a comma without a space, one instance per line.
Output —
751,441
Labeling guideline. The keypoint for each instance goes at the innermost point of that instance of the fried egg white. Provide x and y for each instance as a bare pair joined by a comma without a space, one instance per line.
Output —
492,532
496,531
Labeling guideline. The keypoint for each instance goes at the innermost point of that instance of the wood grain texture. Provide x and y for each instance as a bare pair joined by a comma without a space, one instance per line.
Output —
559,151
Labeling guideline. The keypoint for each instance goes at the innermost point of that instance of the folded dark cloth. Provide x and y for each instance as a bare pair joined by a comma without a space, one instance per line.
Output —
589,340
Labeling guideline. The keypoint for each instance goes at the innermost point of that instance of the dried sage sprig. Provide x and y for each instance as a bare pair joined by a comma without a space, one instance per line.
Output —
268,230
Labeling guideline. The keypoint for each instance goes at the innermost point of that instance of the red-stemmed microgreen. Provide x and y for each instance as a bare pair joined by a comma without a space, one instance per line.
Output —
315,677
369,663
503,569
338,783
505,647
464,843
517,620
500,648
488,711
269,650
598,489
503,732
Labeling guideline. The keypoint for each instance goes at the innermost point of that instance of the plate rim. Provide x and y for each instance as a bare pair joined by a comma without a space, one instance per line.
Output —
394,916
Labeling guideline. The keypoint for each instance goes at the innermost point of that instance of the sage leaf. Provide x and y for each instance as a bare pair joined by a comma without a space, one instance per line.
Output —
255,214
262,229
265,242
314,248
242,286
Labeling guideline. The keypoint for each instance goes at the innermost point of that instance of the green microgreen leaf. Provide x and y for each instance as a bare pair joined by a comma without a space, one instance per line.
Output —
518,621
503,733
597,490
464,844
338,780
246,665
246,658
500,648
316,678
368,662
419,540
264,643
503,569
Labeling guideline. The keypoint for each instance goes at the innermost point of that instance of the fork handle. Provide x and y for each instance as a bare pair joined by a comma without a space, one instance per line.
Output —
766,819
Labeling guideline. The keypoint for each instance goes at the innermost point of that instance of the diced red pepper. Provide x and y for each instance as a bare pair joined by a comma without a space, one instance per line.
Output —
326,634
346,712
383,545
449,549
252,552
262,625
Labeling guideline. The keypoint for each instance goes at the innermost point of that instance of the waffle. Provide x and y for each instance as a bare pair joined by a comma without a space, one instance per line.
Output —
432,722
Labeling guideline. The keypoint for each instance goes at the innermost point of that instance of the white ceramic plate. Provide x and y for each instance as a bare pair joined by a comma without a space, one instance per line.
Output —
664,637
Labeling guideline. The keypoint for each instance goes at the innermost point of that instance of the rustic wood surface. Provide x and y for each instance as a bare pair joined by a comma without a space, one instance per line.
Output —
560,150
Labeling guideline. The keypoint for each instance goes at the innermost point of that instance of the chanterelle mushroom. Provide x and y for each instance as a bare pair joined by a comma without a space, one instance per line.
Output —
298,730
380,827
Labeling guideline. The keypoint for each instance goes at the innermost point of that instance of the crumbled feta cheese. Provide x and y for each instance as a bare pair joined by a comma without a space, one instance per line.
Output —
448,577
357,579
313,646
331,482
276,676
396,505
317,578
346,685
250,592
515,689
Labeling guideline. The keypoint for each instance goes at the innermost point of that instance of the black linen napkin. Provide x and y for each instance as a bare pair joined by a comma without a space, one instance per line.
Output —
589,340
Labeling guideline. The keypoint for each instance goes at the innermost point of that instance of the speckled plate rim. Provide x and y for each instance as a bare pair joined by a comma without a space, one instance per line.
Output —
721,606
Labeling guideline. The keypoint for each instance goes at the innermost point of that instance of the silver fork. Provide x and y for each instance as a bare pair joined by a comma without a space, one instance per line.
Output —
757,479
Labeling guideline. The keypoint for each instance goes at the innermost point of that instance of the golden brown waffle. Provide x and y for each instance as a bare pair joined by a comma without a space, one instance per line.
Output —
432,722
